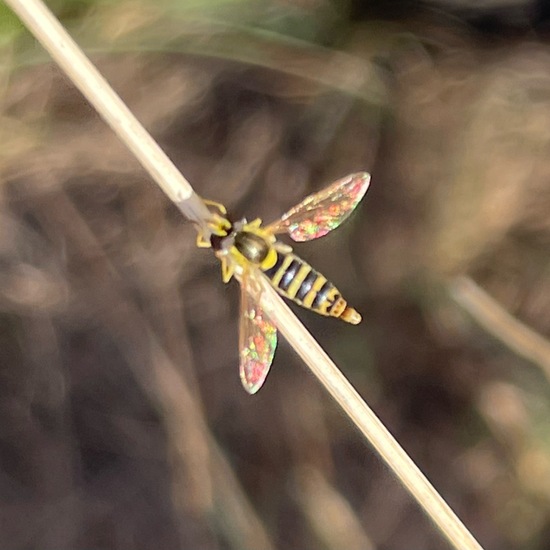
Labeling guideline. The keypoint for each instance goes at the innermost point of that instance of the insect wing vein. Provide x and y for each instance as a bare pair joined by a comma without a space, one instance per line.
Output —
321,212
257,336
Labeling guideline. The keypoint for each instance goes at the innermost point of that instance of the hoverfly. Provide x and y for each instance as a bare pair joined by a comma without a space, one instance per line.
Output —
248,250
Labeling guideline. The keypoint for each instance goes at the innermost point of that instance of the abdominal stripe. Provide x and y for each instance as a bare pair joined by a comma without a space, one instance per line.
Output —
296,280
322,295
289,274
273,270
306,285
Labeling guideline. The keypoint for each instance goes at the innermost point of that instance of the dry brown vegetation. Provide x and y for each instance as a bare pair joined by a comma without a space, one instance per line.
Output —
123,424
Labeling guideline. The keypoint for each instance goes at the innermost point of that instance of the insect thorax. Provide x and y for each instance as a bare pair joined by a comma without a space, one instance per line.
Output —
253,247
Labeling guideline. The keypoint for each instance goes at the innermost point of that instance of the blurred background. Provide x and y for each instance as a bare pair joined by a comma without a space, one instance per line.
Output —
123,424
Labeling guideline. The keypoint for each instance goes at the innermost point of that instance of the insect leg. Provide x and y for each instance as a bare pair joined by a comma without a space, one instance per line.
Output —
216,205
202,241
227,270
254,223
282,247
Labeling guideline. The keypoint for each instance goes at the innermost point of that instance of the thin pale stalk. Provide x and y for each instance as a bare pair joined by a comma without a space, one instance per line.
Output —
84,75
502,325
366,420
320,500
64,50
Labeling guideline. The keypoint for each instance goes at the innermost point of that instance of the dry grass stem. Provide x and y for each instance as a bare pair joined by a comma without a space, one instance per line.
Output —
63,49
55,39
203,481
320,500
366,420
495,319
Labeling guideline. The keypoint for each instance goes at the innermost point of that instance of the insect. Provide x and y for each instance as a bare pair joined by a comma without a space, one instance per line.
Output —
250,250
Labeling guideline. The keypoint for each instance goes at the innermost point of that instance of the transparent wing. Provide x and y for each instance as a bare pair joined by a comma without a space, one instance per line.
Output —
257,336
320,213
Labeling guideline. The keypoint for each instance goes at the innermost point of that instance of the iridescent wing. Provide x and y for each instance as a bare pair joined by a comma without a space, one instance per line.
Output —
257,336
320,213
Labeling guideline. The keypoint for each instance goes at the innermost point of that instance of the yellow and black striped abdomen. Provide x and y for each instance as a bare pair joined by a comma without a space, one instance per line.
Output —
297,280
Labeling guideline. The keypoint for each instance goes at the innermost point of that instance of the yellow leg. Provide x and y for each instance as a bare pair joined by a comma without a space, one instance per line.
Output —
282,247
218,224
255,223
202,241
227,270
217,205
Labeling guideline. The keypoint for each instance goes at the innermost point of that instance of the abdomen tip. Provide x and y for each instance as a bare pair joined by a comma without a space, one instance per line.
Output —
352,316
